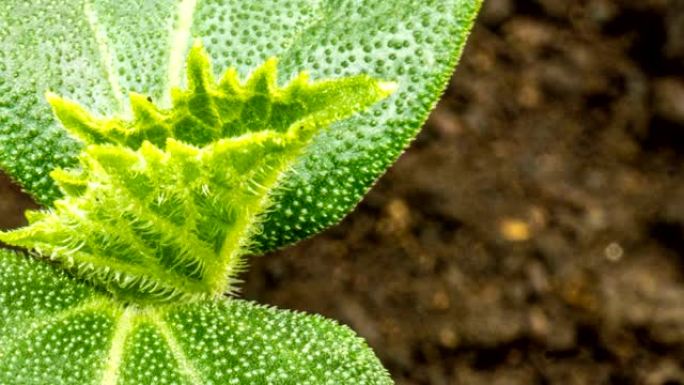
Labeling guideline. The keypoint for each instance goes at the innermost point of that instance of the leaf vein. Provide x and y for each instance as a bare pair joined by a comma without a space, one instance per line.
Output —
188,368
184,236
105,51
123,328
179,37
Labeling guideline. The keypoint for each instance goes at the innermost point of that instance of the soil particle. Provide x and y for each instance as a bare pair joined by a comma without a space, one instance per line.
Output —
669,99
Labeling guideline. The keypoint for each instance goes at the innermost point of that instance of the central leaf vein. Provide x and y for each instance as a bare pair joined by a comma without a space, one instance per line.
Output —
186,366
179,38
123,328
105,51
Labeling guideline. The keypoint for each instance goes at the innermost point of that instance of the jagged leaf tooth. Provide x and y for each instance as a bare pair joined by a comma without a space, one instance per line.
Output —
33,216
155,218
199,71
177,96
230,84
115,162
301,81
263,81
124,46
144,111
71,182
160,213
200,86
332,100
77,120
150,123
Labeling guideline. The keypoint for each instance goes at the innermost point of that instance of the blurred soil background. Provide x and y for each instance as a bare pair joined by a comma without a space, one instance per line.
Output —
534,232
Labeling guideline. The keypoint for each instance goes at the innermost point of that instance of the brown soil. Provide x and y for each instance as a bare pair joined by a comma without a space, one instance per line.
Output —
533,234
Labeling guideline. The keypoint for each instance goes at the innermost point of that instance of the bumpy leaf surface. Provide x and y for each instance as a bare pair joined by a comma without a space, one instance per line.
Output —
164,205
54,330
98,51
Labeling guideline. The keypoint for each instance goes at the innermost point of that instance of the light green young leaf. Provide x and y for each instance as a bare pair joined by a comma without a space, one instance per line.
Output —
96,52
54,330
164,205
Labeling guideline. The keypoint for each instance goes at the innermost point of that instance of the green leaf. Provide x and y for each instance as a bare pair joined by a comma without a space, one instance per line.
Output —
165,205
54,330
96,52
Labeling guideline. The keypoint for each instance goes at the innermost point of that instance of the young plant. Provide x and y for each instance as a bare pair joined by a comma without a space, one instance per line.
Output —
153,204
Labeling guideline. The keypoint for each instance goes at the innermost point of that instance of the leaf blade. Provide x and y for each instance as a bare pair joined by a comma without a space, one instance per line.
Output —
165,206
98,341
341,168
51,330
416,43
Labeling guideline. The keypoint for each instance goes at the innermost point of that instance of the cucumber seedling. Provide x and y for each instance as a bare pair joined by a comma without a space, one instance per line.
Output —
167,141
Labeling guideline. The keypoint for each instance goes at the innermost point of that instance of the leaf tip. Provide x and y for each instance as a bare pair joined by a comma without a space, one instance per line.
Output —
78,121
197,43
51,96
58,104
264,78
199,72
388,88
142,105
